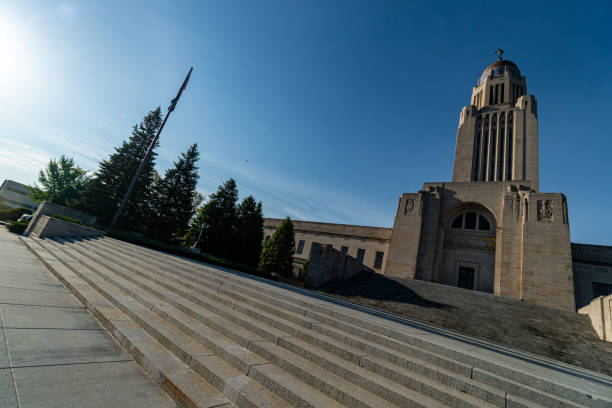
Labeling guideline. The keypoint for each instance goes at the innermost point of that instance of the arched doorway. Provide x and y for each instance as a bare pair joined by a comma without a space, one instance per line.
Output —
468,253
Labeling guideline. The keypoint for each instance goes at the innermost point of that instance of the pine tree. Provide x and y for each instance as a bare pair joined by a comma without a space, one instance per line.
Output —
174,198
277,255
219,214
249,232
105,191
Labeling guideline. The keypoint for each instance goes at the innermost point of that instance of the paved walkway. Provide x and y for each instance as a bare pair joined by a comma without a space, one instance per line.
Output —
53,353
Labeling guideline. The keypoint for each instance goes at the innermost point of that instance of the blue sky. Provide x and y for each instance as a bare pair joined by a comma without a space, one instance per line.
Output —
323,110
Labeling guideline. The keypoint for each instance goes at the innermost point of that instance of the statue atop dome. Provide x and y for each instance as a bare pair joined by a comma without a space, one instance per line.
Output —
499,53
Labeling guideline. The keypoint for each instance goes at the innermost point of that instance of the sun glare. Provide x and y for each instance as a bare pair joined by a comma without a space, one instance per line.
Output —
14,65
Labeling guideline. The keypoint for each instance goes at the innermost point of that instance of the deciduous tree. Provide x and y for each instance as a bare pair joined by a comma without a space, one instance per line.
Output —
61,182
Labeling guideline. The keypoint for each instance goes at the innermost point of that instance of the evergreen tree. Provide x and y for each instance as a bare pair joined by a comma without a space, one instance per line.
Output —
277,255
174,198
249,232
62,182
219,214
105,191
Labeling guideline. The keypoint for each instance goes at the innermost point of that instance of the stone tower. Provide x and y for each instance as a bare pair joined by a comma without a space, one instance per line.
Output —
497,138
490,229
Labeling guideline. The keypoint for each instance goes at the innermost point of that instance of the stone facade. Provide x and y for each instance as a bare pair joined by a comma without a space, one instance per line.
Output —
327,264
490,229
592,272
352,237
16,195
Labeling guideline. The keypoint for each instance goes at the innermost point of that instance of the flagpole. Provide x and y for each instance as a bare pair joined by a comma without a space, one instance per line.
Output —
149,150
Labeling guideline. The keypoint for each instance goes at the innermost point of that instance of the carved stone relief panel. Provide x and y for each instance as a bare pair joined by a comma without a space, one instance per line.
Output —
409,206
545,210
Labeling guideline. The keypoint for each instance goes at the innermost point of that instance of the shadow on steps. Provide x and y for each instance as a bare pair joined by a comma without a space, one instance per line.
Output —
378,287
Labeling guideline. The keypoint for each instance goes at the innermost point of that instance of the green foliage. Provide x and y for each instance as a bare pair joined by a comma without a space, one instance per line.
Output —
70,219
103,194
9,213
219,214
174,198
249,232
232,231
61,182
17,227
277,255
184,252
304,271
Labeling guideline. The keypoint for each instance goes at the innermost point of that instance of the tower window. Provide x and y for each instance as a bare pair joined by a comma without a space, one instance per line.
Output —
477,141
491,95
496,92
492,152
344,250
500,149
510,145
485,149
501,99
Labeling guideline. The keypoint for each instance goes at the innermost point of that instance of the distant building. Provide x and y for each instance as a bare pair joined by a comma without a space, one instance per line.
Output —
16,195
490,229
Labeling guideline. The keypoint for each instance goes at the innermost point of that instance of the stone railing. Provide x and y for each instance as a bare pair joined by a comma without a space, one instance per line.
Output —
600,313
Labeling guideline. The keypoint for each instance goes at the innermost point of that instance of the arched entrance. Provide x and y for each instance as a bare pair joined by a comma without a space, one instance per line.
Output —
468,253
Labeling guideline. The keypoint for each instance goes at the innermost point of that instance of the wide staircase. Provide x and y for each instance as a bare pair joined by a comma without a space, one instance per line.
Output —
213,337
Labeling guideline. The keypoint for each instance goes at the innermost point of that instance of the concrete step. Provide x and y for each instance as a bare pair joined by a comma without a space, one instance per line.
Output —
416,381
304,369
241,389
198,312
390,368
167,370
337,321
336,387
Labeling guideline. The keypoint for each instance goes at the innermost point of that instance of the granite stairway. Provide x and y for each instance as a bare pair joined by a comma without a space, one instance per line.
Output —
214,337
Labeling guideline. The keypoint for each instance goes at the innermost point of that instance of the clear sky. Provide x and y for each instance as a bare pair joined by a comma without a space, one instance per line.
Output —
324,110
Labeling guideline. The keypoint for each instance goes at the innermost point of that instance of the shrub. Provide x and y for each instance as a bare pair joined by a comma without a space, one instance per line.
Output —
12,214
70,219
17,227
304,271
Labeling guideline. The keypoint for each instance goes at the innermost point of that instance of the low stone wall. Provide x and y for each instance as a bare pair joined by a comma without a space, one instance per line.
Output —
600,313
47,208
592,264
327,264
46,226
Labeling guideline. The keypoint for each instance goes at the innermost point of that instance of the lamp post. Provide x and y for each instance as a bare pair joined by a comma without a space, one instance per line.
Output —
199,236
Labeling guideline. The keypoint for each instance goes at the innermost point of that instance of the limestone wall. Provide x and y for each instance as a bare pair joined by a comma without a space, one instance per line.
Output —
47,208
592,265
46,226
600,313
327,264
355,237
